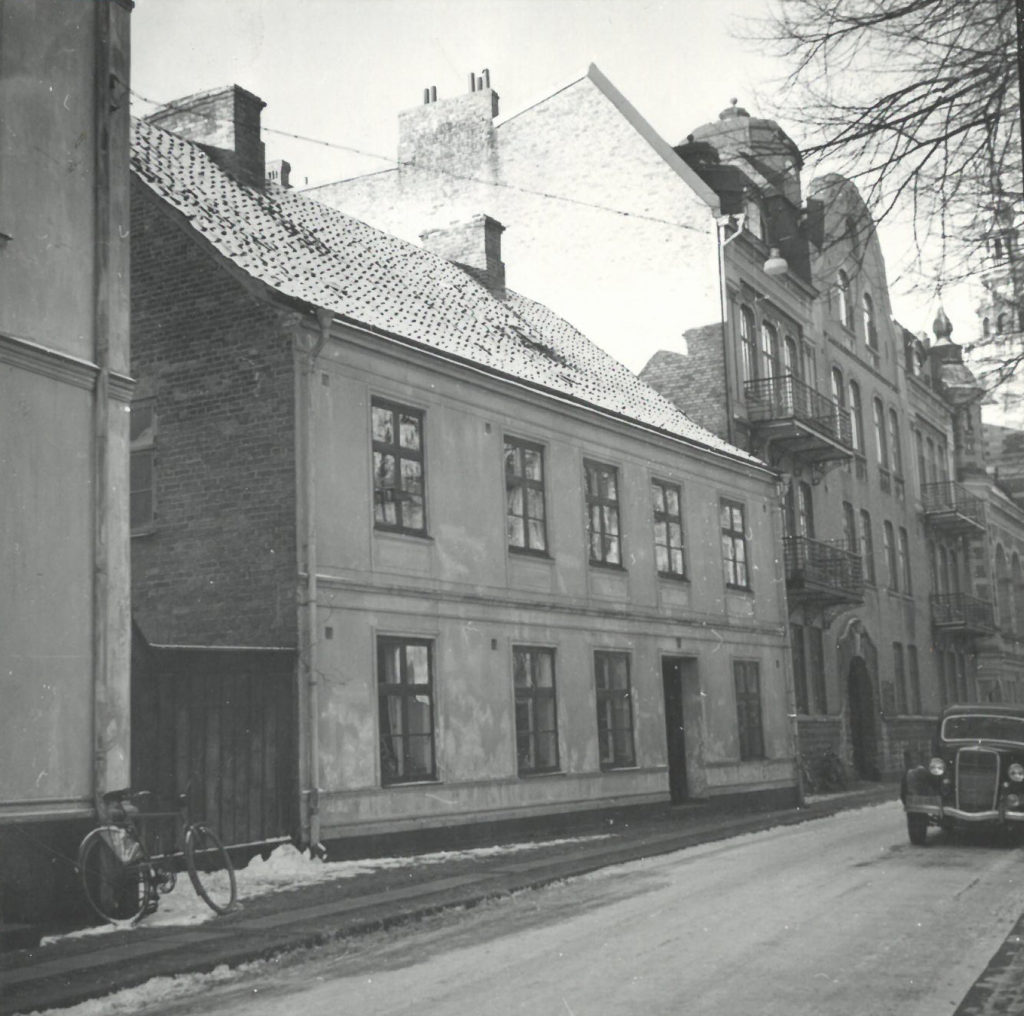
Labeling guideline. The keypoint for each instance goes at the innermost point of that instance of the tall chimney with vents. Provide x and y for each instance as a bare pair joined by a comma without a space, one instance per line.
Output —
225,123
474,246
454,134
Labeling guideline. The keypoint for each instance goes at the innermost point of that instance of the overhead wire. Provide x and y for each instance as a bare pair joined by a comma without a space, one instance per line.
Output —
440,171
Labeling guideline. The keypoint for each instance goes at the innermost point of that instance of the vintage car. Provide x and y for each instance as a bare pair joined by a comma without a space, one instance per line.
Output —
975,776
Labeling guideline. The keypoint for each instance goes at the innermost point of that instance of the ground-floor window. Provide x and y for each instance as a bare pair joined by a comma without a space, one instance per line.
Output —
533,672
614,710
405,691
747,678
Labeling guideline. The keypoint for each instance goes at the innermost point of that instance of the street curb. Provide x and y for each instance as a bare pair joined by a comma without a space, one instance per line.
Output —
85,974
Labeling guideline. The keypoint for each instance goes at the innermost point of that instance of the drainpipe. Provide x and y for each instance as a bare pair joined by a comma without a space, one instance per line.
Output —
722,224
324,319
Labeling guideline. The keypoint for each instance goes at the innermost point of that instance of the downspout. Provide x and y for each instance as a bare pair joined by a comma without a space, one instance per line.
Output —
324,319
722,223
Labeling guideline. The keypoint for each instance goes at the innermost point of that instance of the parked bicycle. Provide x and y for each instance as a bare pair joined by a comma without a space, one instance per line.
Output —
123,882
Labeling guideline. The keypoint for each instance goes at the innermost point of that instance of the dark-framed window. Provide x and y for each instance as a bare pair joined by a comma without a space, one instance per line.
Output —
603,535
614,709
533,675
895,445
748,348
889,541
667,499
914,678
899,678
734,544
524,496
881,445
845,300
870,333
903,550
142,463
816,666
747,679
405,691
856,418
867,546
399,502
769,349
799,669
849,528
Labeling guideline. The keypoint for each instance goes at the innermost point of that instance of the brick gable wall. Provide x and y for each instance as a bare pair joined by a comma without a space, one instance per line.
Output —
219,567
695,381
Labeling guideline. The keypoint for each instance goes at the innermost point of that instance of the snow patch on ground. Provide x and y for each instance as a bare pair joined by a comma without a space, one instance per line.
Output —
288,868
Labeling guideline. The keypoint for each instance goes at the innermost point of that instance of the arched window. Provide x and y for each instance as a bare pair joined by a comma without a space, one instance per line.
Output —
881,448
790,356
986,327
770,350
748,351
1004,591
870,331
843,295
1001,324
856,418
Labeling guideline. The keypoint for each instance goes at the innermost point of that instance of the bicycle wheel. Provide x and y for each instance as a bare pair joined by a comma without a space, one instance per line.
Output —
114,872
210,868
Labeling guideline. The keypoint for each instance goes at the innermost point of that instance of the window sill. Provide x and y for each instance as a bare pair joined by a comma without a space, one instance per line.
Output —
425,781
605,566
531,555
729,588
623,767
540,774
402,533
144,531
673,577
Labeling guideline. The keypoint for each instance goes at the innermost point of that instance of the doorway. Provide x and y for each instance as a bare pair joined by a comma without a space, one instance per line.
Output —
863,737
674,671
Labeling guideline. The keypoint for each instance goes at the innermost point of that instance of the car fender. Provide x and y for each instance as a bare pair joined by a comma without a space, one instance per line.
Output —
917,782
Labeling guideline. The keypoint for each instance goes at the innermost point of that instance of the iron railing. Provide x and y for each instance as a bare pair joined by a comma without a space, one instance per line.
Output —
786,397
961,610
829,568
949,500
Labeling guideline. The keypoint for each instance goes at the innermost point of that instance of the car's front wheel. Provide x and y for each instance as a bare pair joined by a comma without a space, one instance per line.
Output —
917,829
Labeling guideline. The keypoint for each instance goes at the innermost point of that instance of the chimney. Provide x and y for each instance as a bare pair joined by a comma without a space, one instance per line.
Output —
279,172
454,134
474,246
225,123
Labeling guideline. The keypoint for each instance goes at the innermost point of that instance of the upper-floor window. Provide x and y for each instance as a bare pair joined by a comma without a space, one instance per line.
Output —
799,510
889,541
895,447
398,468
405,690
734,544
770,350
922,469
849,528
536,713
748,349
845,301
142,478
838,388
747,681
667,499
602,491
614,710
870,330
913,682
790,356
881,446
899,678
524,496
904,559
867,546
856,418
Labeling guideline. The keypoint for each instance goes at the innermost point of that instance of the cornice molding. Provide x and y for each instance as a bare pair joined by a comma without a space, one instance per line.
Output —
52,363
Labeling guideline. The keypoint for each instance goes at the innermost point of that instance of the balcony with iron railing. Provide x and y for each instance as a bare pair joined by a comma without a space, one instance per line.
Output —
798,420
822,574
962,613
950,508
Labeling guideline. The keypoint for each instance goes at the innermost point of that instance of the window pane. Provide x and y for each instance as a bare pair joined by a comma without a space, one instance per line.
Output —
658,493
535,503
672,500
532,468
409,431
516,531
538,540
382,425
417,664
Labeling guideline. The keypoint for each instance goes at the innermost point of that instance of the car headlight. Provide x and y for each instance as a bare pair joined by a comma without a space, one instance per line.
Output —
937,767
1016,772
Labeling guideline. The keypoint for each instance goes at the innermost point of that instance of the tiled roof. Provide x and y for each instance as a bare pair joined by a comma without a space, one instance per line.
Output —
313,253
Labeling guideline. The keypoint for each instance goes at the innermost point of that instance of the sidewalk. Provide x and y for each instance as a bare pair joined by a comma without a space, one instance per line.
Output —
75,969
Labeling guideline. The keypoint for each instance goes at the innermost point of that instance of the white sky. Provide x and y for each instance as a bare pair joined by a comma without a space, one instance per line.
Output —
340,71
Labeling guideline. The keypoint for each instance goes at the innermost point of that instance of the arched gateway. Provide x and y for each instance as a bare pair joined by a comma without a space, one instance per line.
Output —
857,658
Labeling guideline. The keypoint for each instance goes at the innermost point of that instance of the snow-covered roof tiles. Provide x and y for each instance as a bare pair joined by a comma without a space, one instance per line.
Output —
316,254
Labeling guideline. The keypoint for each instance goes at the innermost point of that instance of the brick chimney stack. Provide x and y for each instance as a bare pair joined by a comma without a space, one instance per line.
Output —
455,134
225,123
474,246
